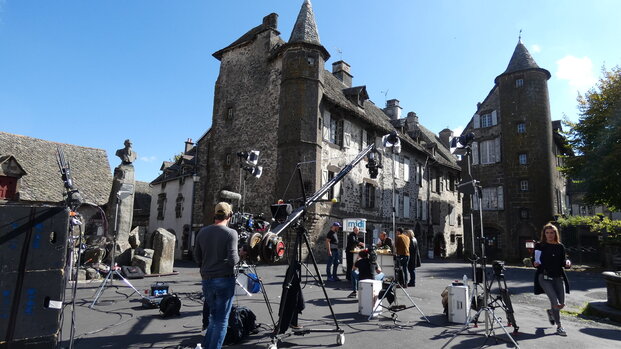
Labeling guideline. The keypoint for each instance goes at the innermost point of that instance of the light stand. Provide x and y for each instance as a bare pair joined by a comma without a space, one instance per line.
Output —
463,142
252,269
114,269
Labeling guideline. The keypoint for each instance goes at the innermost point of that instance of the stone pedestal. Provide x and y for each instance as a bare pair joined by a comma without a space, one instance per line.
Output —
121,207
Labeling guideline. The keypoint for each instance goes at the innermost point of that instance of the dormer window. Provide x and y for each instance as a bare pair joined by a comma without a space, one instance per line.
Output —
8,187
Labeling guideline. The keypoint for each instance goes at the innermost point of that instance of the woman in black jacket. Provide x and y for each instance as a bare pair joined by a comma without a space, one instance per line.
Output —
550,260
414,261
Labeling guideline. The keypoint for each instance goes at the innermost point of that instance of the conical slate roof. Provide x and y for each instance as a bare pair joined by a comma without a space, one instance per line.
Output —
521,60
305,28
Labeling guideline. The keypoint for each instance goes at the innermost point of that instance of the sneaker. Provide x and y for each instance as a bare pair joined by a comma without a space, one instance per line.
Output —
335,278
330,278
561,331
353,295
550,316
411,284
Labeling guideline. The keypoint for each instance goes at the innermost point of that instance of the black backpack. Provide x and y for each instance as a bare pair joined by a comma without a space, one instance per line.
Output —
242,322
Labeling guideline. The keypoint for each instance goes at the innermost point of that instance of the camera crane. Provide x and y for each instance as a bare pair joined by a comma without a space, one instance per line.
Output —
291,295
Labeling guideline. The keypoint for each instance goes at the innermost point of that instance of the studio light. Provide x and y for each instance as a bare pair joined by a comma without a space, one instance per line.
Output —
391,140
249,158
256,171
461,142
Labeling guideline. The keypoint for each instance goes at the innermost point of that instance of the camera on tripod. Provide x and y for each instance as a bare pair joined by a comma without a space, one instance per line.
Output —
499,268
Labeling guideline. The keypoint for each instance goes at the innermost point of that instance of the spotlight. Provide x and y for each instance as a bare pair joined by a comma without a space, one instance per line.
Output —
249,158
375,163
256,171
391,140
461,142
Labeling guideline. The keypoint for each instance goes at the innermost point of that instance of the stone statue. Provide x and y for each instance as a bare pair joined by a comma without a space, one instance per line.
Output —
126,154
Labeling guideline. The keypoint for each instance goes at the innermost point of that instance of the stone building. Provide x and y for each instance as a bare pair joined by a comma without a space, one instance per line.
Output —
515,155
276,97
29,175
172,198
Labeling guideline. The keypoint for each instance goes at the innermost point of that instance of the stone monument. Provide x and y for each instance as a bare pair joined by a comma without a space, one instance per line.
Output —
121,202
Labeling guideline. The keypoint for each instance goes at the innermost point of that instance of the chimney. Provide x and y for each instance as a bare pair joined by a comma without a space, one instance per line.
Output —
271,21
445,137
393,110
188,145
341,70
412,121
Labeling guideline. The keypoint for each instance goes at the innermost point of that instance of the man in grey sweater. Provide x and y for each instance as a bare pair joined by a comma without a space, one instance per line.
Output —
216,254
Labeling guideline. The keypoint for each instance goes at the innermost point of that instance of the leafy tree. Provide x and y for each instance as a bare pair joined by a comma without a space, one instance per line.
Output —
596,142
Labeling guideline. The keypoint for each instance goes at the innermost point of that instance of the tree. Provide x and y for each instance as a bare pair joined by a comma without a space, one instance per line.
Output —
596,142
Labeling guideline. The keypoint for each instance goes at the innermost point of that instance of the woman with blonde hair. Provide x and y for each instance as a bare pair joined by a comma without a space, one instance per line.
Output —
414,261
550,261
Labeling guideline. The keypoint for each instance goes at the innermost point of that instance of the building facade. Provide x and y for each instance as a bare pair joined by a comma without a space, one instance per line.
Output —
515,155
308,124
172,199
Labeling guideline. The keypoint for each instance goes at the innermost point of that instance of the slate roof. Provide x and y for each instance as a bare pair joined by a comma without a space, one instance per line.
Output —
269,22
184,166
522,60
305,28
90,169
334,92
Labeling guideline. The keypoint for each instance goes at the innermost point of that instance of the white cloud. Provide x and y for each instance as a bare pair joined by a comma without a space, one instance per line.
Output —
148,158
457,131
535,48
577,71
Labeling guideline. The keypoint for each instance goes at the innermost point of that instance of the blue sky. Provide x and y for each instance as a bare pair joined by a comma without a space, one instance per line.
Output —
94,73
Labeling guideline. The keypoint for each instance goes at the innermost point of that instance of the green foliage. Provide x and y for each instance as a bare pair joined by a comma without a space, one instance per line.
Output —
596,224
596,142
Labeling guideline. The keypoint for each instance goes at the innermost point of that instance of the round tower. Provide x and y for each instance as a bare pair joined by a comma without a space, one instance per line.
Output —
527,148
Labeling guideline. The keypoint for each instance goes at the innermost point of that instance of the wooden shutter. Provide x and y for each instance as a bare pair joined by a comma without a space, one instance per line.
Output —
494,118
497,148
326,125
347,130
501,200
477,120
406,206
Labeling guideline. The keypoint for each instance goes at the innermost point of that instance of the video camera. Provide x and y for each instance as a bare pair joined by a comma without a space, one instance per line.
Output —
499,267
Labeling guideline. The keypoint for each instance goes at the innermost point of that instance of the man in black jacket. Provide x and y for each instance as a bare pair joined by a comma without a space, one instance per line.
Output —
352,243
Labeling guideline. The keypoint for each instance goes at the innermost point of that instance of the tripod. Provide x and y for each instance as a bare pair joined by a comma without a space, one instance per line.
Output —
490,317
252,269
503,298
394,285
114,269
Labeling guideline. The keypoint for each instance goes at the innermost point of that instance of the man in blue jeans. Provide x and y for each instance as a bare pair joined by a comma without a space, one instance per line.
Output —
364,269
332,245
216,254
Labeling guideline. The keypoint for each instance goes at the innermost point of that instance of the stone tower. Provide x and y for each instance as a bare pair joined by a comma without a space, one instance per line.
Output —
299,136
526,145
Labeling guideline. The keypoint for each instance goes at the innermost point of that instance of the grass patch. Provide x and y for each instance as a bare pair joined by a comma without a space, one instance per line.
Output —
582,311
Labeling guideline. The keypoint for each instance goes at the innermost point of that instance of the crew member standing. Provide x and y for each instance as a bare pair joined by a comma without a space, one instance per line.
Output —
332,245
216,254
352,243
414,261
402,251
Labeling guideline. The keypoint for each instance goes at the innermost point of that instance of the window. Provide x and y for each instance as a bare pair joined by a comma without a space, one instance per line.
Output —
524,213
519,83
489,151
368,196
179,206
524,185
521,127
331,191
486,120
336,132
523,159
419,209
439,183
229,113
161,206
452,214
8,187
406,206
491,200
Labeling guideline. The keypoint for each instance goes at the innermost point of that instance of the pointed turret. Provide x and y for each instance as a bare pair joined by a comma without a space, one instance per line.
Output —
305,28
522,60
